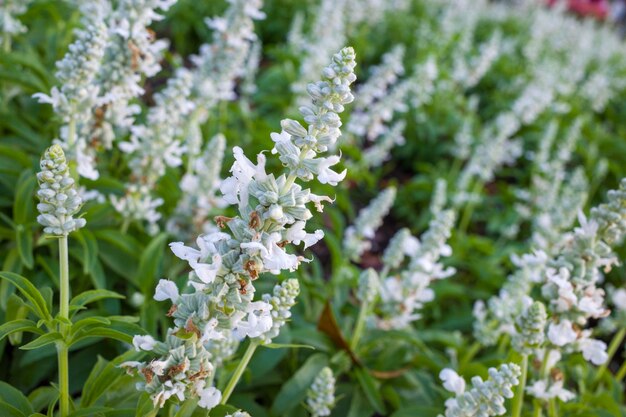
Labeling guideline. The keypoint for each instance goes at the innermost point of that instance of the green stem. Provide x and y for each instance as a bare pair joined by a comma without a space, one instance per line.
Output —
537,411
360,325
552,408
518,401
467,358
71,132
615,344
64,399
230,387
125,226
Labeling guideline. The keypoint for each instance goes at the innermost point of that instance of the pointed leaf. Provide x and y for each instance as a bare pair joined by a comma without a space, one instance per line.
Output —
29,291
44,340
371,390
294,390
19,326
149,264
92,296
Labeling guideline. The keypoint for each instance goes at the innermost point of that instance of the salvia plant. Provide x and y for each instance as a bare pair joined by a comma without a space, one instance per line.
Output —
192,226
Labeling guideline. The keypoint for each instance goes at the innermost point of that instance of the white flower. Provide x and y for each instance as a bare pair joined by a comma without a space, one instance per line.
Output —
318,199
209,397
276,258
541,391
452,381
185,252
146,343
235,188
327,175
297,234
210,332
562,333
593,350
258,321
166,289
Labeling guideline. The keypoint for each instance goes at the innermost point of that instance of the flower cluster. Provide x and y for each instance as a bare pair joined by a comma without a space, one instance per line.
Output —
369,286
283,298
9,24
172,128
321,396
326,35
357,237
272,215
382,77
101,74
59,199
200,188
568,275
485,398
379,152
554,196
468,73
405,288
531,328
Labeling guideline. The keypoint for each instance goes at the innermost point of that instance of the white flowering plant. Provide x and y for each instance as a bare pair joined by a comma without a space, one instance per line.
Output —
209,209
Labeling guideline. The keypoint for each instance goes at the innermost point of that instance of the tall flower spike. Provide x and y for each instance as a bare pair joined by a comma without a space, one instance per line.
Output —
282,300
272,217
485,398
59,200
404,291
321,395
9,24
369,286
357,237
532,327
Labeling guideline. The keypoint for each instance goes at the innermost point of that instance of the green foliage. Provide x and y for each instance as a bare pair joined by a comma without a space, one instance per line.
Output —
115,266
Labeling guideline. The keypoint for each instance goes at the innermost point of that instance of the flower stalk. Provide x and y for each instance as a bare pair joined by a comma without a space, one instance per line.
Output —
243,364
62,350
518,400
617,341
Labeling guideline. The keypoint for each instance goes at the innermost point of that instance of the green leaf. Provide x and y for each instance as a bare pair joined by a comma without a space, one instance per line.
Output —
150,262
287,346
418,410
89,321
43,396
359,406
222,411
44,340
92,296
90,411
101,332
7,410
16,310
25,79
371,390
145,408
19,326
24,240
294,390
23,211
121,328
14,397
103,375
29,291
90,250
